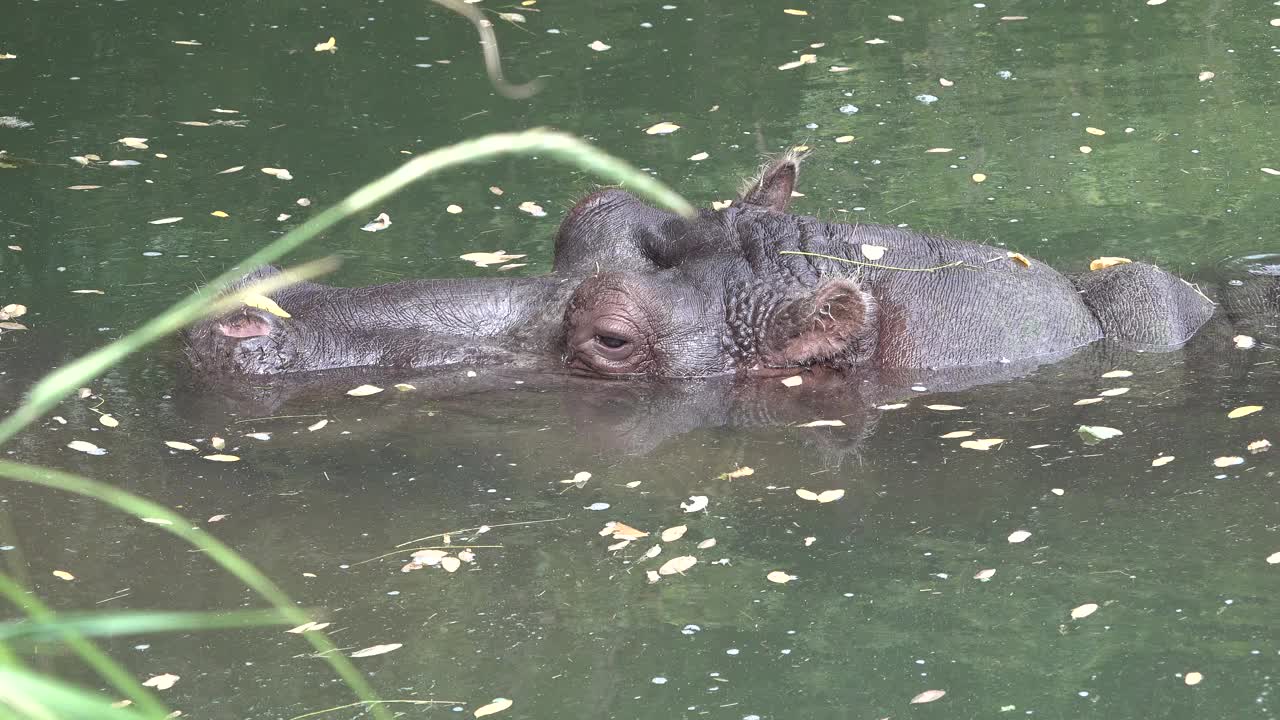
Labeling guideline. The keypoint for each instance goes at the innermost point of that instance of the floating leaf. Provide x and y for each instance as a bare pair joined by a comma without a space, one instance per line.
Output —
382,222
699,156
1095,131
985,575
893,406
711,542
673,534
945,82
1205,75
1242,411
63,575
945,408
330,45
157,521
822,423
677,565
1105,262
12,310
695,503
1083,611
497,706
779,577
533,209
219,214
377,650
1018,536
222,458
979,177
308,627
983,444
83,187
280,173
177,445
1112,392
793,381
928,696
1258,446
485,259
86,447
230,170
217,518
735,474
599,46
1243,342
622,531
123,163
1228,461
954,434
1088,401
451,209
317,425
1192,678
1162,460
844,139
1098,432
793,11
162,682
1273,558
262,302
364,390
165,221
662,128
108,420
450,563
578,478
1118,374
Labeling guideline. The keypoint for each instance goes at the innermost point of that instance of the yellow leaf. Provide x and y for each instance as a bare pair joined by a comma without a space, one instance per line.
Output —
222,458
927,696
677,565
779,577
176,445
1242,411
662,128
1192,678
827,496
1162,460
984,444
1019,258
1083,611
844,139
673,534
162,682
108,421
219,214
329,45
1095,131
63,575
945,408
979,177
497,706
1107,261
956,434
377,650
792,11
364,390
262,302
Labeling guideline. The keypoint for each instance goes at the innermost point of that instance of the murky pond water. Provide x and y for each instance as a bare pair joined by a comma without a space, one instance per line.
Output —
884,604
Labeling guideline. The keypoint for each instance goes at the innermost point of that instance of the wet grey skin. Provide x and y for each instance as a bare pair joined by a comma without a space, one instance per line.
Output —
752,289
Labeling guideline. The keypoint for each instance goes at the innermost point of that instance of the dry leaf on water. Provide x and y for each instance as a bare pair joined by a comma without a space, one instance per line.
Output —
162,682
677,565
955,434
63,575
485,259
696,503
983,444
780,577
308,627
928,696
825,496
376,650
1083,611
497,706
662,128
1162,460
176,445
1018,536
1243,411
1192,678
822,423
985,575
222,458
672,534
364,390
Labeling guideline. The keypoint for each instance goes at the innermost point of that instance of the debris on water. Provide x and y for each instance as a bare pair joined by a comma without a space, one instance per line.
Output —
279,173
599,46
1243,411
780,577
927,696
1004,74
695,503
677,565
1093,434
983,444
14,122
1018,536
956,434
1243,342
927,99
825,496
485,259
662,128
497,706
848,109
597,506
1162,460
1228,461
1083,611
1258,446
985,575
533,209
690,629
86,447
382,222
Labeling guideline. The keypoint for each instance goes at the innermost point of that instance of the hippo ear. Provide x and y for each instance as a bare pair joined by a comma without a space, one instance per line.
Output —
246,323
772,188
820,325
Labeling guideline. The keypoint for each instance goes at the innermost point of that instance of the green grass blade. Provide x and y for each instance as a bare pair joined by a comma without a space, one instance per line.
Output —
108,669
132,622
28,696
567,148
215,549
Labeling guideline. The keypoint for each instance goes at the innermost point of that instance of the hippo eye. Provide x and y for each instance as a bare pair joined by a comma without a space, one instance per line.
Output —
611,342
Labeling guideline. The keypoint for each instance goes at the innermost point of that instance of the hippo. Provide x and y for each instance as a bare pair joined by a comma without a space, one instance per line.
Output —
750,289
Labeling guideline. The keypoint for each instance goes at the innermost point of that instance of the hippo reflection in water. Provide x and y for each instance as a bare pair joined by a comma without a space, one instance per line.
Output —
637,292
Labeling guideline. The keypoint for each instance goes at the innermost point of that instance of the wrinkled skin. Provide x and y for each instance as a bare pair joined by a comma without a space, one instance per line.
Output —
751,289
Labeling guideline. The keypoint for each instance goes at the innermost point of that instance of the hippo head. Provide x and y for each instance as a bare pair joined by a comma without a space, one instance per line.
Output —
694,298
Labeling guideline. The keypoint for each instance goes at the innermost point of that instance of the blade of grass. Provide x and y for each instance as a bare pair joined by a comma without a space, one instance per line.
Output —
37,697
212,547
129,622
564,147
108,669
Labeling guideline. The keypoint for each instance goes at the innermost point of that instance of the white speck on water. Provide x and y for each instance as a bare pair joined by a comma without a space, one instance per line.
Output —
1004,74
732,651
152,253
422,65
553,31
1083,693
927,98
690,629
659,680
420,38
811,126
848,109
646,25
597,506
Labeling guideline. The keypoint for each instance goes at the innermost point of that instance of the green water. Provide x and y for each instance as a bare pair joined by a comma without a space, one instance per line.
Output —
884,605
